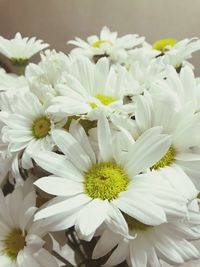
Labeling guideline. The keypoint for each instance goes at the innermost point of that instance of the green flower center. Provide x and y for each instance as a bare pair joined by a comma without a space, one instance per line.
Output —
166,160
19,64
98,43
135,225
14,242
163,44
41,127
105,181
104,99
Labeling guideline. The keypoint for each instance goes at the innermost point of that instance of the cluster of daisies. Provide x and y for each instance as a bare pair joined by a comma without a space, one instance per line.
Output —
104,142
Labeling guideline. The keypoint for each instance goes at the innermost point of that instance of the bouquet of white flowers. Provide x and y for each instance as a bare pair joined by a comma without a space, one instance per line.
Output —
100,153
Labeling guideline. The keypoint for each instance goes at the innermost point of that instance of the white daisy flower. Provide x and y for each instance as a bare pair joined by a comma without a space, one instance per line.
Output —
96,185
91,87
144,73
27,126
183,125
176,53
108,44
170,242
19,49
44,76
183,87
21,243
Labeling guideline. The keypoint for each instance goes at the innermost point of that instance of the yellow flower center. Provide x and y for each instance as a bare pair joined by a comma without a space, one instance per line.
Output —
135,225
166,160
104,99
98,43
105,181
41,127
163,44
14,242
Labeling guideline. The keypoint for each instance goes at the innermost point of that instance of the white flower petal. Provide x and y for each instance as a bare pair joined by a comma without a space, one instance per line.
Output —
67,205
72,149
104,139
59,186
149,148
141,209
58,165
96,210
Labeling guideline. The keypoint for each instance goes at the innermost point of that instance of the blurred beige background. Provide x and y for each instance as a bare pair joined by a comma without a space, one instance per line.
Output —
57,21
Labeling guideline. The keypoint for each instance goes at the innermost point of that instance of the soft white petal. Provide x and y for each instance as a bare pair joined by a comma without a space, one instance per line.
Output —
67,205
59,186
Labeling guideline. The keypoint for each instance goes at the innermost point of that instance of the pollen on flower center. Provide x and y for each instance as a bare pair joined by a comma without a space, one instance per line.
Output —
163,44
166,160
104,99
98,43
105,181
14,242
41,127
135,225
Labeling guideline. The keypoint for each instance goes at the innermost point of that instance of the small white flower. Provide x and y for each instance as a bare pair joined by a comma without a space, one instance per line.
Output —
144,71
91,87
177,53
27,125
44,77
170,242
21,242
183,126
20,49
183,87
108,44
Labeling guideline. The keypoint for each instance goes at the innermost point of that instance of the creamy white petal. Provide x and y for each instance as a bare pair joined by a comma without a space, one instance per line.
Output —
79,133
118,256
72,149
149,148
141,209
67,205
59,186
58,165
106,243
104,139
96,210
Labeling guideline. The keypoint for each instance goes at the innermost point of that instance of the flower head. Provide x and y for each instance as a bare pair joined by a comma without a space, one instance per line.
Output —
107,45
98,183
21,240
19,49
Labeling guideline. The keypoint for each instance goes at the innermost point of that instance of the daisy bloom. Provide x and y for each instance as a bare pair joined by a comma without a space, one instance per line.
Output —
183,126
183,87
170,242
98,184
99,86
19,49
21,242
27,125
144,71
44,77
108,44
176,53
